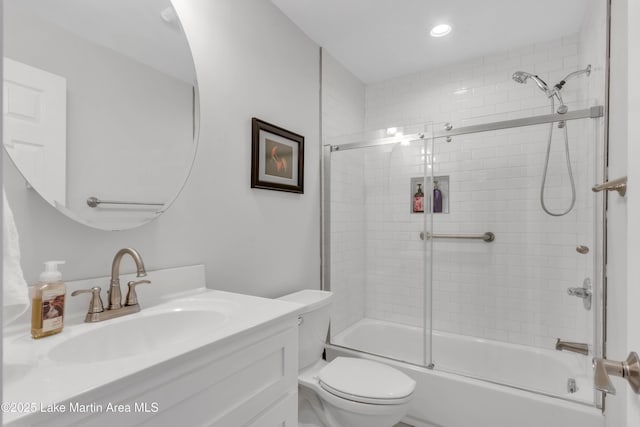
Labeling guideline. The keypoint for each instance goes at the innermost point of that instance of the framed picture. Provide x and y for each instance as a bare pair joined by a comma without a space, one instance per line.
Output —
277,158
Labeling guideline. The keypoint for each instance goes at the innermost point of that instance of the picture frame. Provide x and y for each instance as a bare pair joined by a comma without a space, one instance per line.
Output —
277,158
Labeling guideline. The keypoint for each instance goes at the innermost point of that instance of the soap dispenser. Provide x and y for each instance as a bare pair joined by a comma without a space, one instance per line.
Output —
47,302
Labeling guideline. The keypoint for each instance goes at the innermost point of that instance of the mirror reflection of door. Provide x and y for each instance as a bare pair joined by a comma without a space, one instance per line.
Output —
130,112
35,132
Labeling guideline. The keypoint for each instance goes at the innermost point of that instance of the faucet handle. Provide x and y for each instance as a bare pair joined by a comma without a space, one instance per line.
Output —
132,297
95,303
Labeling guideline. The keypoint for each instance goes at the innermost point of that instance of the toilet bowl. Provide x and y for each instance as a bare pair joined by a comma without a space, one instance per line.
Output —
346,392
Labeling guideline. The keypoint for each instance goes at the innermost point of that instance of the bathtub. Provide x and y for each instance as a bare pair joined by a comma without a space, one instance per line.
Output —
491,383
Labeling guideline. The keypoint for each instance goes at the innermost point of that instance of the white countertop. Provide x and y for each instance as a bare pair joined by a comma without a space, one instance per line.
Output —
33,376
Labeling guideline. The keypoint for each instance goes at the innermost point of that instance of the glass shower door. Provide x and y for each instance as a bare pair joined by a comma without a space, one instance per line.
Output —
378,207
507,276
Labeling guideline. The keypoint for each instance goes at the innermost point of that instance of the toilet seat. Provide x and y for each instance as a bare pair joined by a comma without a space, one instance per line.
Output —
366,381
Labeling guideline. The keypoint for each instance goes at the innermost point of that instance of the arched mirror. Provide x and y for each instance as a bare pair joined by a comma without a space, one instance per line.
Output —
100,106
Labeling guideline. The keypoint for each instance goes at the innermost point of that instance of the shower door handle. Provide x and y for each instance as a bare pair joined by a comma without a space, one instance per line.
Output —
619,185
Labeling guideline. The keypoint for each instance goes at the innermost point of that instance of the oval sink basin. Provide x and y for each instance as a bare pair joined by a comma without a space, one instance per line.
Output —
12,372
134,336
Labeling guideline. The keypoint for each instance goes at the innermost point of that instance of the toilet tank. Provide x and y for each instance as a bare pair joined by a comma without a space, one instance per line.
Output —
313,324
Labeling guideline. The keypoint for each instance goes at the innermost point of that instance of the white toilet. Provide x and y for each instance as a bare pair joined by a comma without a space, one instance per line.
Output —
346,392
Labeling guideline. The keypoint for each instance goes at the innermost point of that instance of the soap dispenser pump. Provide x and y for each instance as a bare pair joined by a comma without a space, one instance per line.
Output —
47,302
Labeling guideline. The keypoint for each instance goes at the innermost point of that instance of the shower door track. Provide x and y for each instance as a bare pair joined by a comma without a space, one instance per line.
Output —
586,113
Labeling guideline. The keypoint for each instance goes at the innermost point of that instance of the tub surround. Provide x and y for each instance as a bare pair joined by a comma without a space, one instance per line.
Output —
191,345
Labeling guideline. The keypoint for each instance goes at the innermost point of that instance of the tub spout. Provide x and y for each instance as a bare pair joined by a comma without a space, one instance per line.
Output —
576,347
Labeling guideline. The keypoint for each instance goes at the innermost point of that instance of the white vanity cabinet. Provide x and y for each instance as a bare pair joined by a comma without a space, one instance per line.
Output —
247,380
240,371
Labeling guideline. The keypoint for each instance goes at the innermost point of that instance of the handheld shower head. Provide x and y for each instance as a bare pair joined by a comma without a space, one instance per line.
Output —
523,76
520,76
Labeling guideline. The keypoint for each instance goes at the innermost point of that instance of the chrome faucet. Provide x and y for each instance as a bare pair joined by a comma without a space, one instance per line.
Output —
97,312
576,347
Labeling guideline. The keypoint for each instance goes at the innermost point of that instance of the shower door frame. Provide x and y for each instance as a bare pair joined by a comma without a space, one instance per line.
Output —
325,167
593,112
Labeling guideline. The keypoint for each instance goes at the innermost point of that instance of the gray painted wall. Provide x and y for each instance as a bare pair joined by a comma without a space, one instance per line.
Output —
251,61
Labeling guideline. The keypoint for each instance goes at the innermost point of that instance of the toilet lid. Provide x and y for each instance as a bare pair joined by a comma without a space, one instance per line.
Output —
366,381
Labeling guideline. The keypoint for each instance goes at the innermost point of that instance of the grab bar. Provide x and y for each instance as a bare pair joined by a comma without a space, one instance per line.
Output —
619,185
487,237
94,202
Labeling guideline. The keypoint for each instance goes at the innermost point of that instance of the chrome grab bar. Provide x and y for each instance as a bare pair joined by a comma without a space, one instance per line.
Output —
487,237
94,202
619,185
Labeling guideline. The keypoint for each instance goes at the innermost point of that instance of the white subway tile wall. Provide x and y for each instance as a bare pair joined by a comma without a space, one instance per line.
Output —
513,289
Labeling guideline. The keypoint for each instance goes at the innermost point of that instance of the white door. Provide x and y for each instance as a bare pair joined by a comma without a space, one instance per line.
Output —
623,265
35,127
633,202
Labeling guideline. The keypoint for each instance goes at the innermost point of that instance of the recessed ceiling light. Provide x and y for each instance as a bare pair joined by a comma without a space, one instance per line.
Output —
440,30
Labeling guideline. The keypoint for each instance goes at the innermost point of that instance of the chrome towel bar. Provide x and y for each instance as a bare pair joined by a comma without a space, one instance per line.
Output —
94,202
487,237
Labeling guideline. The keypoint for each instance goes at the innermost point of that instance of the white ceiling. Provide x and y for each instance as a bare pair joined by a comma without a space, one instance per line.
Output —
133,28
381,39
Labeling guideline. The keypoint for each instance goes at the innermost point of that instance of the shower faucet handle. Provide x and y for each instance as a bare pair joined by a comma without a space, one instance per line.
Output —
584,292
629,369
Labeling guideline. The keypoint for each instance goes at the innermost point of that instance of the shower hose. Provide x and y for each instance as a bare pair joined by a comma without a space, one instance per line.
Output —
546,168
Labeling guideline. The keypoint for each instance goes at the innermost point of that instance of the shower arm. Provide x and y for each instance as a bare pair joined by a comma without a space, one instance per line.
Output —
570,76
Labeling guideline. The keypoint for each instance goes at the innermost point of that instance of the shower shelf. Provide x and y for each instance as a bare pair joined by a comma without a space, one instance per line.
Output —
443,185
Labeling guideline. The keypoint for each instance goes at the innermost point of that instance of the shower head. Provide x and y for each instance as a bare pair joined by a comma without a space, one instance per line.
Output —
520,76
523,76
